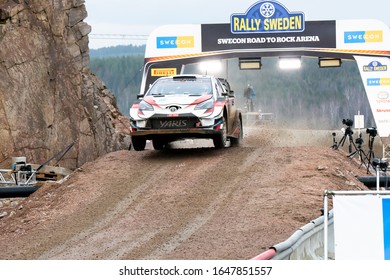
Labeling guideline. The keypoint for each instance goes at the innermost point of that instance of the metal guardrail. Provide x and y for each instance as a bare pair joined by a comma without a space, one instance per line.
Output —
19,177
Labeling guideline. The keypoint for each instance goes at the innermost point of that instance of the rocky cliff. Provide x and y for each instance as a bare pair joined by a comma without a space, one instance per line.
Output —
48,96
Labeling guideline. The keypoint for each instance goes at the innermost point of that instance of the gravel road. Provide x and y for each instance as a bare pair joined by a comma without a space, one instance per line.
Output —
187,202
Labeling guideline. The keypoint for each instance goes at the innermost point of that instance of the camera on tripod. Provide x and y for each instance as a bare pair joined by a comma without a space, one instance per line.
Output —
359,140
348,122
381,164
372,131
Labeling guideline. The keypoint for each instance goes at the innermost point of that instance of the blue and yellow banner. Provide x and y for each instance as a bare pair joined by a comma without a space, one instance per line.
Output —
386,227
175,42
370,36
378,82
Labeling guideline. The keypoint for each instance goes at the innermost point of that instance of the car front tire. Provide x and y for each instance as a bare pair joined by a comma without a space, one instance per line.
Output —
139,143
158,144
220,139
237,141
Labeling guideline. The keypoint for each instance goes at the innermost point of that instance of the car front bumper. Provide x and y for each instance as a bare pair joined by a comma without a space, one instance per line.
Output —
176,133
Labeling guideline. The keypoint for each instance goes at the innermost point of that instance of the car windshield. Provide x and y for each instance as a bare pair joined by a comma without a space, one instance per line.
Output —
182,85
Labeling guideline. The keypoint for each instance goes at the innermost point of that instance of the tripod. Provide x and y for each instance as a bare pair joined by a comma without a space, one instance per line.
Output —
348,132
378,165
334,146
360,152
370,155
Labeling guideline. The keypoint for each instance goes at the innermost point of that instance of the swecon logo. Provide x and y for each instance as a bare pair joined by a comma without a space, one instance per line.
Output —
175,42
378,82
372,36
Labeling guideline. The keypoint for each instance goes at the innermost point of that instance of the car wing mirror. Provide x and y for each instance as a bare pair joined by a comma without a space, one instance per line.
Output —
229,94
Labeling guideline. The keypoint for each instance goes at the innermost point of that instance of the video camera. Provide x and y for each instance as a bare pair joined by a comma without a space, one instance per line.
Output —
359,140
381,164
372,131
348,122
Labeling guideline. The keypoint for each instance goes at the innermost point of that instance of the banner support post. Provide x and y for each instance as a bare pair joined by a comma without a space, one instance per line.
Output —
326,193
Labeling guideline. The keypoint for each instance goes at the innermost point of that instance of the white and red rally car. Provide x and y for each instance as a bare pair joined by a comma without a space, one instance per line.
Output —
186,106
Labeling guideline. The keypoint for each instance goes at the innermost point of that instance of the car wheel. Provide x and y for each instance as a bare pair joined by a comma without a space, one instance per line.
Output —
158,144
237,141
220,139
139,143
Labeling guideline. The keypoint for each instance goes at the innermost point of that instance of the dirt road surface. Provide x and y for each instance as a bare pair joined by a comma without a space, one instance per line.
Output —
188,202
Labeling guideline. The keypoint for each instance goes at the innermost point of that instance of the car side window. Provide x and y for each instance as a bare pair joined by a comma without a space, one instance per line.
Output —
219,88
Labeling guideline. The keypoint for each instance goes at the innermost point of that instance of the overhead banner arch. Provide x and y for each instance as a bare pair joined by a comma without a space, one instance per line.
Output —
269,29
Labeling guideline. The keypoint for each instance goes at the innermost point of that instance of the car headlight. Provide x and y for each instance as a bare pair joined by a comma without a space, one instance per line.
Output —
205,105
145,106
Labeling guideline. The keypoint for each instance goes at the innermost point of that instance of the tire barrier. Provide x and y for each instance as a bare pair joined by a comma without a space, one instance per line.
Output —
305,244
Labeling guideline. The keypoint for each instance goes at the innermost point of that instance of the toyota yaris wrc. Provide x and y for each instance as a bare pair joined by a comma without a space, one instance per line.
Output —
186,106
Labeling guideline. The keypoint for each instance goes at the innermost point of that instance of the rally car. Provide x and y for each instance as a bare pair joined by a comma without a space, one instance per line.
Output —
186,106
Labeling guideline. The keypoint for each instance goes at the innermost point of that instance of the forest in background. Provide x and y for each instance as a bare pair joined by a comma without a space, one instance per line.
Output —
312,97
120,68
116,51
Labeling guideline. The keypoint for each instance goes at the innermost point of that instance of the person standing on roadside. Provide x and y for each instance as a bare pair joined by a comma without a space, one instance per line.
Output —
249,94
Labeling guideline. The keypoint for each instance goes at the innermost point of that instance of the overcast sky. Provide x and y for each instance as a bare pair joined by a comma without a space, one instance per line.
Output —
141,17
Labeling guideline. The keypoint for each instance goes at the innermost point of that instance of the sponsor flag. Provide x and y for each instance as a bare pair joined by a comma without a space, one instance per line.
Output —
386,226
362,227
376,79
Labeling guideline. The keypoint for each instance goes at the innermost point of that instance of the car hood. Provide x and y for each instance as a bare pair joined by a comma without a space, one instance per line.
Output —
182,100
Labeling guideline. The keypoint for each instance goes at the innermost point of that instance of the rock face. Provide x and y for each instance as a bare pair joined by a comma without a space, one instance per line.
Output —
48,96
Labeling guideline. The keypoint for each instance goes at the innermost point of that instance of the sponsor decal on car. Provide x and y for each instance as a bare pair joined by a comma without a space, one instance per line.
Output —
200,100
151,101
173,123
